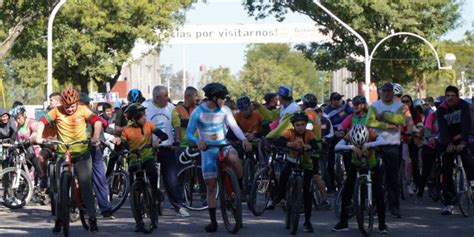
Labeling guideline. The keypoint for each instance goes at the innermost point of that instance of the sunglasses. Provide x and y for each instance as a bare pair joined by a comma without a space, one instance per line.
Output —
405,101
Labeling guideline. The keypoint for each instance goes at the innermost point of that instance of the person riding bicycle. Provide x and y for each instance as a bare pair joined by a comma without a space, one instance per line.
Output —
121,121
71,121
298,137
137,135
361,141
210,120
454,121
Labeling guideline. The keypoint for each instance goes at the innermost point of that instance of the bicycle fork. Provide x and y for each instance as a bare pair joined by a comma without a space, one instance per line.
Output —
369,186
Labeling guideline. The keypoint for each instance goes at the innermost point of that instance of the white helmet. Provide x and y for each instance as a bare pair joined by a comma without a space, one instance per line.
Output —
397,89
359,135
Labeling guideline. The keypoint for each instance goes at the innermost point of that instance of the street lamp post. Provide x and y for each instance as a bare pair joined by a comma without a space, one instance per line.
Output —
366,48
49,88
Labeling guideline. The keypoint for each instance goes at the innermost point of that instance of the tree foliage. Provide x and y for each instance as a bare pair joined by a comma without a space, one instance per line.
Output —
93,38
267,67
399,60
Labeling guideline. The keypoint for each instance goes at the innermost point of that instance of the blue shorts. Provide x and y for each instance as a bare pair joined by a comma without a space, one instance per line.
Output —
209,161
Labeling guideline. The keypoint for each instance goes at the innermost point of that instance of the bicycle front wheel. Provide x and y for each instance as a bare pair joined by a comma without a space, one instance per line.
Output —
295,201
143,208
463,192
119,186
231,205
16,189
364,210
194,190
261,191
65,192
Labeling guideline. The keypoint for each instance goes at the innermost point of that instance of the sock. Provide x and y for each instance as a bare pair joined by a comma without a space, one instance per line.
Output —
212,214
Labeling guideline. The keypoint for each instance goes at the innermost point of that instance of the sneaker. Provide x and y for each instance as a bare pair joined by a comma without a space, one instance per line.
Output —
325,205
139,228
93,225
308,227
383,229
341,226
447,210
409,188
211,227
182,212
108,215
58,226
270,205
396,212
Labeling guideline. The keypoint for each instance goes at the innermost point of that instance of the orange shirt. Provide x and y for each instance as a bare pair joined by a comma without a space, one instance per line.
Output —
253,124
135,139
71,128
291,135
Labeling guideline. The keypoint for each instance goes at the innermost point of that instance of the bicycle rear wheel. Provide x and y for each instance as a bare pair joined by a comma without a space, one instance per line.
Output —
65,192
316,195
52,187
260,194
463,192
231,205
364,210
16,189
119,186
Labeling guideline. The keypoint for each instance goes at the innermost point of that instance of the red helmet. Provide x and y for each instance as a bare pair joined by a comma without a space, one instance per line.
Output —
69,96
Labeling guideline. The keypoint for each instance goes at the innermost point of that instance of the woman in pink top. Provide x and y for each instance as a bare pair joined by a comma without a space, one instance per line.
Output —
428,153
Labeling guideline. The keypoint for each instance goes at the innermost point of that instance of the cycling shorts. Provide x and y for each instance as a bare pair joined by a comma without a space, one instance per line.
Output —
209,161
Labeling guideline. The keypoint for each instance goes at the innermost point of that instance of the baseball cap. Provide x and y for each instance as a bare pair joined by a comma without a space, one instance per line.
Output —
284,91
387,86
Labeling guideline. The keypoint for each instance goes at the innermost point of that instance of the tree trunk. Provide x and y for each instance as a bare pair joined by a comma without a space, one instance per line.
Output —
13,34
420,84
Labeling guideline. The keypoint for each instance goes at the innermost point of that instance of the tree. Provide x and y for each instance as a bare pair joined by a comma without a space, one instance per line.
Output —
398,61
269,66
224,76
94,38
15,15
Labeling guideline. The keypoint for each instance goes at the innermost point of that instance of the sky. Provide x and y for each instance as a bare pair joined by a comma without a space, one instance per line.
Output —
191,56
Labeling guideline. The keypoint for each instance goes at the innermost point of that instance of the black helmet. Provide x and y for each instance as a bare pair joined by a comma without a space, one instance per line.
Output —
243,103
215,90
310,101
359,100
299,116
135,96
134,111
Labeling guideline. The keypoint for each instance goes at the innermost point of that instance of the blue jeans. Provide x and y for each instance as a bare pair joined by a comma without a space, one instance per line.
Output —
99,181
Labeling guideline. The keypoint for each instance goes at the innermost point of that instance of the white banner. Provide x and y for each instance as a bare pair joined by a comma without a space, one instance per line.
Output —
248,33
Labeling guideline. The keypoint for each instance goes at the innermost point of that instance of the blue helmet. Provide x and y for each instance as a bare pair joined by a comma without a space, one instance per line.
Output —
439,100
135,96
284,91
243,103
18,110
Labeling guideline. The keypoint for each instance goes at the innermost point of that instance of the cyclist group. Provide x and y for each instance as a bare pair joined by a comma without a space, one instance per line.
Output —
395,130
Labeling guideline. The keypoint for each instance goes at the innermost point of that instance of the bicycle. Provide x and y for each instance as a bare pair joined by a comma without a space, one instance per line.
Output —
69,200
119,183
362,198
462,186
294,190
191,180
230,203
17,185
250,167
142,201
264,184
339,170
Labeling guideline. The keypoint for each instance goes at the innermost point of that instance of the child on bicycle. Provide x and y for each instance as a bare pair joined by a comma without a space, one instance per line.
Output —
299,137
137,135
361,141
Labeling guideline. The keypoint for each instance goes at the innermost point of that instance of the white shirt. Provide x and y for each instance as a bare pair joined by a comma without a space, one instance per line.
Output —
161,117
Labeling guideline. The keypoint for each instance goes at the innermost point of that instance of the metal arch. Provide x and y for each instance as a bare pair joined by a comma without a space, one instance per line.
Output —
409,34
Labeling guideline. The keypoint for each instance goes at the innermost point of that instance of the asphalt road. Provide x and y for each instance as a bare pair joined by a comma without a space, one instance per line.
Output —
417,220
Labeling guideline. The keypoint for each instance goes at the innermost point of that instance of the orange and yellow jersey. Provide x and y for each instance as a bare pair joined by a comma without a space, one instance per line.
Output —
307,138
133,136
71,128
